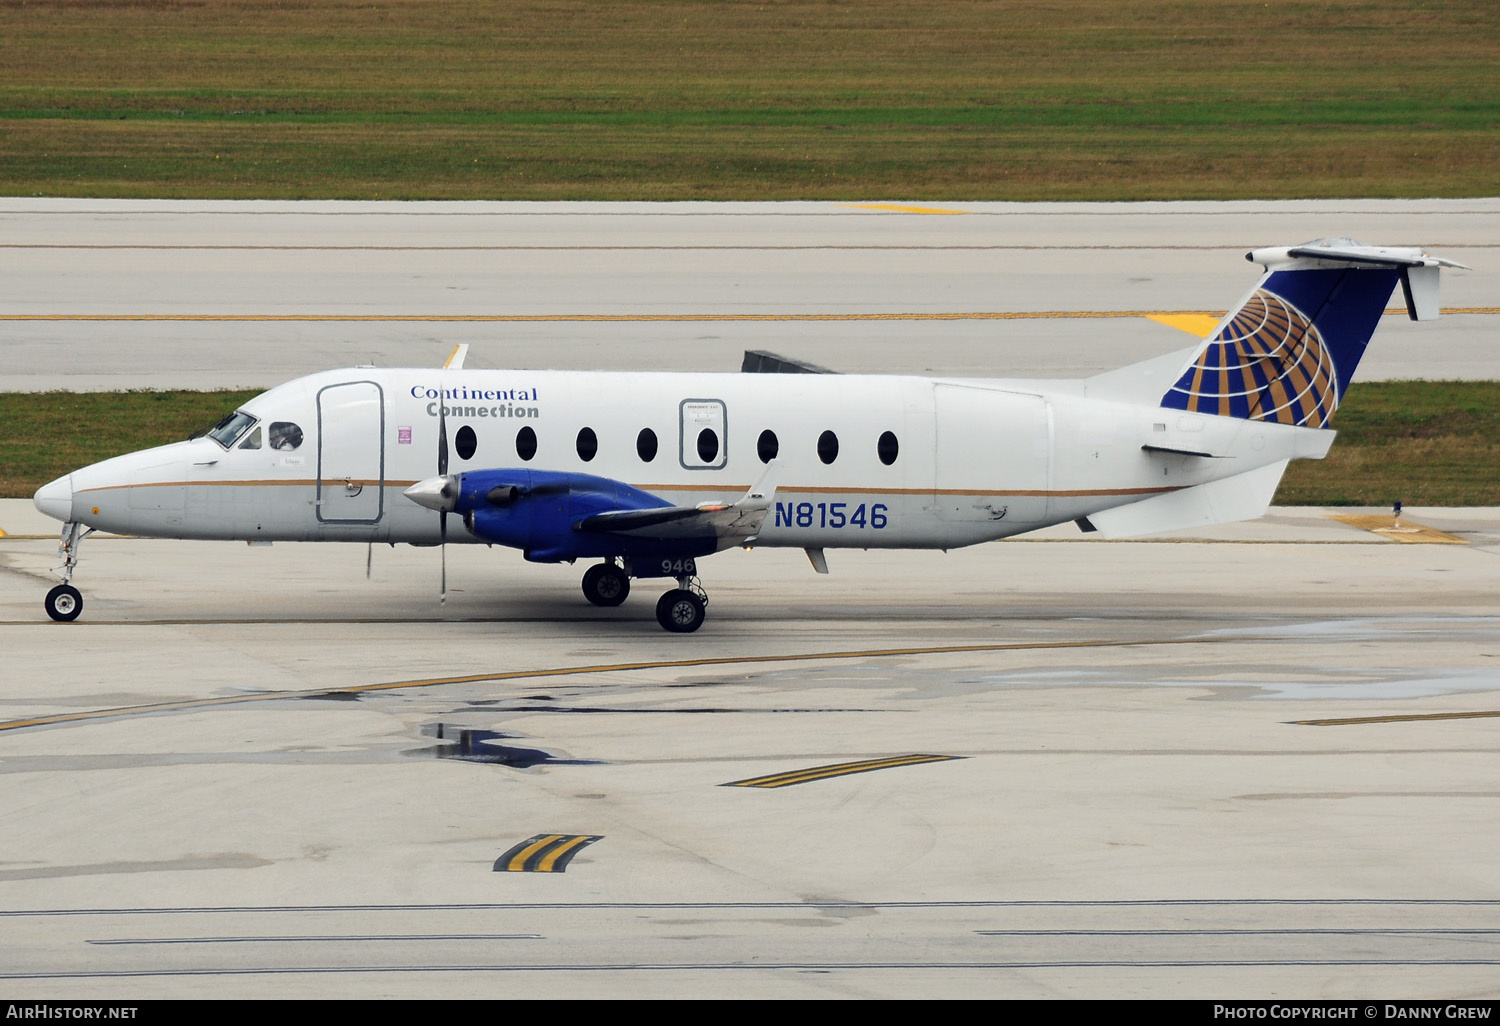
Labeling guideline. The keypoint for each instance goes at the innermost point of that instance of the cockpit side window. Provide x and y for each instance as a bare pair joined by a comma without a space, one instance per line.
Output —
285,435
252,440
228,430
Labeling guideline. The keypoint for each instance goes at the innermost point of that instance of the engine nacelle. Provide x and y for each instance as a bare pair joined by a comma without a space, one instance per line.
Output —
537,511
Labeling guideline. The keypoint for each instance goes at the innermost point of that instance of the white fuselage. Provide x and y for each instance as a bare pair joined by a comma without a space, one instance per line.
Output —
972,460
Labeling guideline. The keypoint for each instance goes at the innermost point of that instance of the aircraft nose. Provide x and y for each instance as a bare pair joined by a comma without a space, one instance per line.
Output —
56,498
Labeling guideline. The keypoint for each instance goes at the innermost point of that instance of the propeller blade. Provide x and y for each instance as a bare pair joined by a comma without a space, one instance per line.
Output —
443,556
442,440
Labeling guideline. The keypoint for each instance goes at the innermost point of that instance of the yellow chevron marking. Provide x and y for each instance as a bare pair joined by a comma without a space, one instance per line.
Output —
517,863
1197,325
803,776
544,853
550,859
1402,530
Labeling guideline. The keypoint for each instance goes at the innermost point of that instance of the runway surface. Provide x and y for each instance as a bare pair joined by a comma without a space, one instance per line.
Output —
1257,761
153,294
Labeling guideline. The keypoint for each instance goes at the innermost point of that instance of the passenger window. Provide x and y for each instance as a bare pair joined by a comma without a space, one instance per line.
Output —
588,444
766,446
708,445
828,447
252,440
465,442
887,448
645,445
526,444
285,435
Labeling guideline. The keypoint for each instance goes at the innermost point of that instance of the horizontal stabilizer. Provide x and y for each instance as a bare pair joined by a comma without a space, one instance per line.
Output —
1241,497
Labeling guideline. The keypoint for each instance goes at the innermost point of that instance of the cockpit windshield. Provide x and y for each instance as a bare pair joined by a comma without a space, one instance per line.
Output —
231,427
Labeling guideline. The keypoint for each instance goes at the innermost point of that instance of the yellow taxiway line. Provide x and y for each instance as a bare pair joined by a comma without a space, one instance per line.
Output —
566,671
841,769
1345,721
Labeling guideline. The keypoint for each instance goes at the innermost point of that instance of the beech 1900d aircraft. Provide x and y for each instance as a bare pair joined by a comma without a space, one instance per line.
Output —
649,472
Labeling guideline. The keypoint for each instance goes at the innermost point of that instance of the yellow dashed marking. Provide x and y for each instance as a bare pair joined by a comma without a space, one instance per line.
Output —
1196,324
544,853
902,209
841,769
1402,530
1408,718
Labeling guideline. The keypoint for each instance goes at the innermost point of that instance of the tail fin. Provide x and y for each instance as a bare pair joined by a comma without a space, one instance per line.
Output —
1287,354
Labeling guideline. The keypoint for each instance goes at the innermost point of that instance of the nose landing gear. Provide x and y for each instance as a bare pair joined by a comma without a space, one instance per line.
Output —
64,602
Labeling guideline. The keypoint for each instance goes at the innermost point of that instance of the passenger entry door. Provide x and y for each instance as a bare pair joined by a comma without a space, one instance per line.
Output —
351,453
993,460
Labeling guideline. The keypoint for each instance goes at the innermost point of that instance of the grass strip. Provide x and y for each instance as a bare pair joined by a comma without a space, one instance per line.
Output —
666,99
1427,443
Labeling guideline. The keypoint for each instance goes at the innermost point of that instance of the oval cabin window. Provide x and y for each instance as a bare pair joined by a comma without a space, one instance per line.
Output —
708,445
645,445
766,446
526,444
828,447
465,442
588,444
887,448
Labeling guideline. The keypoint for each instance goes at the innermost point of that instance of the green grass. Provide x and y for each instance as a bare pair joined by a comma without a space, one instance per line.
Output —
634,99
1427,443
44,435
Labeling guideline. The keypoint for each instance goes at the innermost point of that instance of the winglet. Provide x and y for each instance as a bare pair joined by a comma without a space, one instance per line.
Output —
456,358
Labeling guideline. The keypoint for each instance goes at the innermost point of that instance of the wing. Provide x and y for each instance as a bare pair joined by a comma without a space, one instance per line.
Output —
732,523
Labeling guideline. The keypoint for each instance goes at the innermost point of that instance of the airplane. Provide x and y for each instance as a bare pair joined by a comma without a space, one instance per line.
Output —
649,472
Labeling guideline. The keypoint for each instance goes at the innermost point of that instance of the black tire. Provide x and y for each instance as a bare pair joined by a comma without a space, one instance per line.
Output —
680,612
64,603
605,585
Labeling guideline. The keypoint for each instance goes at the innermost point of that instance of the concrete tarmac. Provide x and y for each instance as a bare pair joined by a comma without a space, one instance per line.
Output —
1257,762
104,294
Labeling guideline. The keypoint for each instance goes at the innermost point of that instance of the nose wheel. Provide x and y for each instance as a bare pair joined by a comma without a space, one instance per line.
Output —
63,603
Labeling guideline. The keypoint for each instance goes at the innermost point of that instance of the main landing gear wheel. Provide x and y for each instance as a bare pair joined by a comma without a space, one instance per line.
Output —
64,603
680,611
605,585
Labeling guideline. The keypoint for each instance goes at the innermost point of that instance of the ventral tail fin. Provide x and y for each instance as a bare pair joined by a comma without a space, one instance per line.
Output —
1287,354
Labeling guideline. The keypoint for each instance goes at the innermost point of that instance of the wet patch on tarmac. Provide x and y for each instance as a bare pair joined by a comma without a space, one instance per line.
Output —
486,746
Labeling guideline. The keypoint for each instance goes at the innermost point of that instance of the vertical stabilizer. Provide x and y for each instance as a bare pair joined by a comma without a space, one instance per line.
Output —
1288,353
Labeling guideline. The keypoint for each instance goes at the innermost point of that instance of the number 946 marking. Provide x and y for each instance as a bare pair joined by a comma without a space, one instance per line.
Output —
834,515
